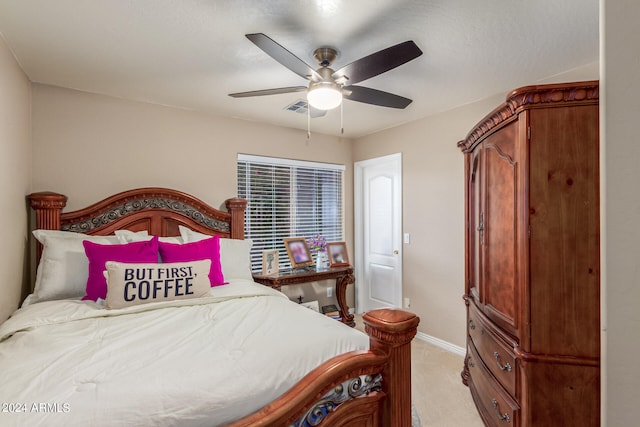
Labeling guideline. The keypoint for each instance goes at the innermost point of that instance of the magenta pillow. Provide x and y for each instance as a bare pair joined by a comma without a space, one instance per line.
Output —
204,249
136,252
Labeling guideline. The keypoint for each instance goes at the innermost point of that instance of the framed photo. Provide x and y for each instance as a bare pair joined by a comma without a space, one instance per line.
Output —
338,255
269,262
298,252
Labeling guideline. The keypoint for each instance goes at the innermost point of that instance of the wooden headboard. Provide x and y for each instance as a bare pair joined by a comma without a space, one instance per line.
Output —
157,210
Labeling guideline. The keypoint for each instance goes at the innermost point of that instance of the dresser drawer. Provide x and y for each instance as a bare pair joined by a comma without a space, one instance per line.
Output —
495,405
497,356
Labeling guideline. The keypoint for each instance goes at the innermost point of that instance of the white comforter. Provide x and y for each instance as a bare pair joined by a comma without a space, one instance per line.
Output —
200,362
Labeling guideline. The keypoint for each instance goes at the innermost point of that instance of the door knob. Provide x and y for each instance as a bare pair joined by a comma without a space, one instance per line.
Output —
395,252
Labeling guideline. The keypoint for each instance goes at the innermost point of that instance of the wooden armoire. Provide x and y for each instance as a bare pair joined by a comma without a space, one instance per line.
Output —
532,262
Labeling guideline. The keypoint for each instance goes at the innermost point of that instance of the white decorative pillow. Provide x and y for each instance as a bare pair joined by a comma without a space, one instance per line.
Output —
235,255
64,267
235,258
127,236
176,240
133,284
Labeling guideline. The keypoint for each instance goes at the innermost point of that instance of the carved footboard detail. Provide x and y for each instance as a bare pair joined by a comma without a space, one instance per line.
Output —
387,403
351,389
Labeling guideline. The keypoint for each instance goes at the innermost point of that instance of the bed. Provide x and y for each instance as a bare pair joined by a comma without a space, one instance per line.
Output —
236,354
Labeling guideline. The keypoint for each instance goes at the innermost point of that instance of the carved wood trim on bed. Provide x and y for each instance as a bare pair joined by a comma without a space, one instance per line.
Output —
371,388
157,210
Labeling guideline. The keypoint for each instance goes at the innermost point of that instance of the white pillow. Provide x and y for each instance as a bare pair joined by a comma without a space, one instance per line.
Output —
127,236
235,255
64,267
176,240
133,284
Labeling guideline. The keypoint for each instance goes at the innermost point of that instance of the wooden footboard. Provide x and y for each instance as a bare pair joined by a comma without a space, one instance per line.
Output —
360,388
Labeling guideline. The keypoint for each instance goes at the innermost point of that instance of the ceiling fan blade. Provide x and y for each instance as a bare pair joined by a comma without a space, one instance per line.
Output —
375,97
378,63
263,92
284,57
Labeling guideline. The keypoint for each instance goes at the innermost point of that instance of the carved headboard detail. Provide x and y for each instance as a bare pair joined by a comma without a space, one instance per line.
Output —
157,210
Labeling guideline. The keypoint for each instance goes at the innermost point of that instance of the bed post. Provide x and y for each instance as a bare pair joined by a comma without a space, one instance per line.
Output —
236,208
48,208
390,332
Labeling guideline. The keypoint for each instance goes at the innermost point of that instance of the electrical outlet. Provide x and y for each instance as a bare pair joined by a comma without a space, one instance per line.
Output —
407,303
329,292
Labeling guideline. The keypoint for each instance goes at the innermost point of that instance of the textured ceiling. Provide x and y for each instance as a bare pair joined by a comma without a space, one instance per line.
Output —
192,53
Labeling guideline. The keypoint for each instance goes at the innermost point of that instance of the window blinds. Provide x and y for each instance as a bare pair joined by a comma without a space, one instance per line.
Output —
289,198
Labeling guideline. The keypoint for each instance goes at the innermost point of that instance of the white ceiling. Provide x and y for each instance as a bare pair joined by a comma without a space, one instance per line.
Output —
192,53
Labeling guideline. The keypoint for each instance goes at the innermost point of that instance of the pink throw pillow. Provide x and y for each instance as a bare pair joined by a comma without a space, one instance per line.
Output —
196,251
136,252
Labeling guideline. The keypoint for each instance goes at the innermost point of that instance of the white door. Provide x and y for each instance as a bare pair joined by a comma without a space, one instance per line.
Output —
378,232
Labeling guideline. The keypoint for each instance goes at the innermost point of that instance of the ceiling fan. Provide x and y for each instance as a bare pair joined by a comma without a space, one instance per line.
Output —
327,87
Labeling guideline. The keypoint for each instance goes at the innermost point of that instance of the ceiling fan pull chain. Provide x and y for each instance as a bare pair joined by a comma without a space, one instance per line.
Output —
341,119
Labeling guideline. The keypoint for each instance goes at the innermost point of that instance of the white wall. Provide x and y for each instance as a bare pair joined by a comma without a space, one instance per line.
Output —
620,243
90,146
15,178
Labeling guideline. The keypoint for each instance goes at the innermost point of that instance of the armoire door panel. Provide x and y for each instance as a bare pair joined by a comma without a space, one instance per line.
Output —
564,221
500,215
476,226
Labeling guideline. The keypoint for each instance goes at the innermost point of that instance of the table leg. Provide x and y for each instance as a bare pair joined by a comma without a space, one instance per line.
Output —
341,296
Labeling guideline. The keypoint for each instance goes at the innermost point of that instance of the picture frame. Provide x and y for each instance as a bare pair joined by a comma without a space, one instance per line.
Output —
338,255
269,262
298,252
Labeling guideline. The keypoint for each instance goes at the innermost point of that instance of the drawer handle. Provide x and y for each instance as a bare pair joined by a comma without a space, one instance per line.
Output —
472,325
503,417
505,367
470,362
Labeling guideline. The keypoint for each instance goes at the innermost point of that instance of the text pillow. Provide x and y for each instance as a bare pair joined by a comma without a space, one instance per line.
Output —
132,284
204,249
135,252
235,254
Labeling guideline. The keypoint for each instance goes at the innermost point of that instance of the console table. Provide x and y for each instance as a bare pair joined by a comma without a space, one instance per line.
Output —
343,275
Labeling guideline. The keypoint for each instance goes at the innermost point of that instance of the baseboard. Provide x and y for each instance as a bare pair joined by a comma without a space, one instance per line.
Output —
460,351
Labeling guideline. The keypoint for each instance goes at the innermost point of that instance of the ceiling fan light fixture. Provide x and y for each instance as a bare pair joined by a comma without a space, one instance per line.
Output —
324,95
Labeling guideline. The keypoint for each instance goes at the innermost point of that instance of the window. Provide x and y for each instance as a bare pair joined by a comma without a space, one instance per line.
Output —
289,198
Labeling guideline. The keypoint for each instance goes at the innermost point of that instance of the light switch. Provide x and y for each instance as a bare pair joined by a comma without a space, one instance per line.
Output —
406,238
